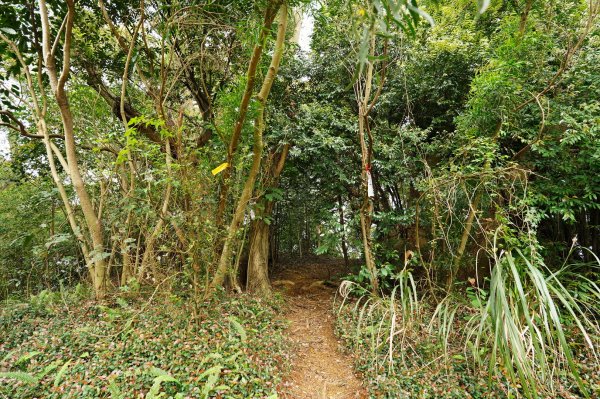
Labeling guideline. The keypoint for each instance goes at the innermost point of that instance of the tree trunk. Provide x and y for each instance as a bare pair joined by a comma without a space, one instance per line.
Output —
127,271
595,230
258,260
365,226
57,83
270,14
64,197
148,257
343,227
260,239
240,211
363,90
473,207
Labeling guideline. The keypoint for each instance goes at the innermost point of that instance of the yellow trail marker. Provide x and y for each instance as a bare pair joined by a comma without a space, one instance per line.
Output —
220,168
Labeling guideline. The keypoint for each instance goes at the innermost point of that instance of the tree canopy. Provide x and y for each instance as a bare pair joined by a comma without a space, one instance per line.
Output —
195,142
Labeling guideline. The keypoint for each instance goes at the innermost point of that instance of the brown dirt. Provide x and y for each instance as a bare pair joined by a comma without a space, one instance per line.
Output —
320,370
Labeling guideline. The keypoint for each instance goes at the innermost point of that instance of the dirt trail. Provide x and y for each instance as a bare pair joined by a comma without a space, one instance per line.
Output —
319,370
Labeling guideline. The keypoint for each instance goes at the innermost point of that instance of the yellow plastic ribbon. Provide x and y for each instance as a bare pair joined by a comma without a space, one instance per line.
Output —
220,168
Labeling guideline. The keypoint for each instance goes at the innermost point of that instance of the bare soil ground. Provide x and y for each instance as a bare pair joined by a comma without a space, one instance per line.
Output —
320,369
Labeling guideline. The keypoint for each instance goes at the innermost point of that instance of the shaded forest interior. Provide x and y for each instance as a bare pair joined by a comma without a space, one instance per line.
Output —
179,154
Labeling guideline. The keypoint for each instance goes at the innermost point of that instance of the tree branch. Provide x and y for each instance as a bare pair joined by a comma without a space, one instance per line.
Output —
19,127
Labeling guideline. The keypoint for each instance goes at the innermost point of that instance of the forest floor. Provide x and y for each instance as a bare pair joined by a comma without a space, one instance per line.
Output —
136,345
320,370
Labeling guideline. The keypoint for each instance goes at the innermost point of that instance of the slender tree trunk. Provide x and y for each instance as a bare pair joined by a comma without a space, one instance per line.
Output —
365,226
343,227
473,207
57,83
270,14
595,230
306,235
228,246
240,211
148,256
584,231
363,90
233,276
127,272
64,197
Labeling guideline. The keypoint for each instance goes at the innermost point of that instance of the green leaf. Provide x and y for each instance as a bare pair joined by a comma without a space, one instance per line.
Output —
26,357
157,372
98,256
48,369
238,328
213,376
61,373
20,376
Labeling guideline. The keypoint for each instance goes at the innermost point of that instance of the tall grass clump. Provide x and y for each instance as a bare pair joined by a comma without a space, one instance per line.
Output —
384,324
530,331
531,322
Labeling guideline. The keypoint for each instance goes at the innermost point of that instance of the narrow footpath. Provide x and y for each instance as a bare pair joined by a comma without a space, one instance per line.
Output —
320,370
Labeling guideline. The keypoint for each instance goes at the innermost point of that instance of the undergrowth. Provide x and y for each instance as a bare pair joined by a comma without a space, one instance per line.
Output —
531,333
399,358
64,346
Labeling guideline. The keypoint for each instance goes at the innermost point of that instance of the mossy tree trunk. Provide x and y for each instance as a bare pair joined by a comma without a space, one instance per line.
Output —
224,264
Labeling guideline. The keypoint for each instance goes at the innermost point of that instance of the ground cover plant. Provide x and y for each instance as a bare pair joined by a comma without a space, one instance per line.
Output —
58,346
168,157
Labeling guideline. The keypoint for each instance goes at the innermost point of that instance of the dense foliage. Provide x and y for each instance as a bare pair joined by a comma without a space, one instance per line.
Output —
452,146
